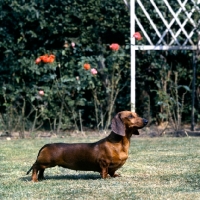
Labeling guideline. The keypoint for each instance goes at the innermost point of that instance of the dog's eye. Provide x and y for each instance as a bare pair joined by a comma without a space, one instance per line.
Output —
130,116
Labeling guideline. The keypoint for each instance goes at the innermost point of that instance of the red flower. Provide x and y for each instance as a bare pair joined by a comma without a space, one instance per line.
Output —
46,58
114,47
137,36
51,58
86,66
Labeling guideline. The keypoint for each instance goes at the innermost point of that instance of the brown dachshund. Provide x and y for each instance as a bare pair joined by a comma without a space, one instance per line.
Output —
105,156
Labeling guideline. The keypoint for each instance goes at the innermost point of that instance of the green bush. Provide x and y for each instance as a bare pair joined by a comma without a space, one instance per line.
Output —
77,32
42,27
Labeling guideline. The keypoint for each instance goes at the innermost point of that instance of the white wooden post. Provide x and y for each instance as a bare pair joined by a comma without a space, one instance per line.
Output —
161,44
133,53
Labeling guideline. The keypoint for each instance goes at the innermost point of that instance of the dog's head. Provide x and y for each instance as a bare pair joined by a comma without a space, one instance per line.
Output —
127,120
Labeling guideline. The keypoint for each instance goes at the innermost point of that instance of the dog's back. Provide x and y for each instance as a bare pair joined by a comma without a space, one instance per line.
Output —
77,156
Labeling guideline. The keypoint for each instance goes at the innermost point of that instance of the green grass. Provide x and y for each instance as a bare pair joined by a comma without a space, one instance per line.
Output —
158,168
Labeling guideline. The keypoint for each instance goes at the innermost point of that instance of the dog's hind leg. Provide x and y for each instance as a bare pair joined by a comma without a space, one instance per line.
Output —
35,170
41,174
34,175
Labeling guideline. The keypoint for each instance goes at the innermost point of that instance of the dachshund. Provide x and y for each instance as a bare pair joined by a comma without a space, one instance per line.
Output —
104,156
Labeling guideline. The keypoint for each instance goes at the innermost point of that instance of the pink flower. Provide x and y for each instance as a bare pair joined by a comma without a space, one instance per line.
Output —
114,47
93,71
41,93
73,44
137,36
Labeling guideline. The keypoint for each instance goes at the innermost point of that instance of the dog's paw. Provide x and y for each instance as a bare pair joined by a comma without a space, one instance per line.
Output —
116,175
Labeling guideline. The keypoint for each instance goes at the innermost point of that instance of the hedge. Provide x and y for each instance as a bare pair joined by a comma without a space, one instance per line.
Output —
62,94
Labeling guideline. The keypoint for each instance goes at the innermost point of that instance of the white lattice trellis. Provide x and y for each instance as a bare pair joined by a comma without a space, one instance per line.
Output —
187,41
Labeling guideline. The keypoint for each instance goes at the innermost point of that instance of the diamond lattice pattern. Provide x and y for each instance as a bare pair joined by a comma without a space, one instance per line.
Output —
169,22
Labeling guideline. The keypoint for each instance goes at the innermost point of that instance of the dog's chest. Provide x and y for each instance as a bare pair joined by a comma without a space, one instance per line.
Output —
118,156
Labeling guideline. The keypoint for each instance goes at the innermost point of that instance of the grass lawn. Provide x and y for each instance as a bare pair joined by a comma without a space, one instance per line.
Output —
157,168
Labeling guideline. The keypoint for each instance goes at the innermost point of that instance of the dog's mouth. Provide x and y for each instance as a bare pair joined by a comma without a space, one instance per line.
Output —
136,127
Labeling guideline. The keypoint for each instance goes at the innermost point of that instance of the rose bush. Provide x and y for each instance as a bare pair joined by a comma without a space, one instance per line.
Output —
76,33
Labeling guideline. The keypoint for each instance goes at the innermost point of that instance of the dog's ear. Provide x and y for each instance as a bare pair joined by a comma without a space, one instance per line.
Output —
136,132
117,125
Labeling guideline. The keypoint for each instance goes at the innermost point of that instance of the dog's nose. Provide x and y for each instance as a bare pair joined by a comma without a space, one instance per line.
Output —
145,121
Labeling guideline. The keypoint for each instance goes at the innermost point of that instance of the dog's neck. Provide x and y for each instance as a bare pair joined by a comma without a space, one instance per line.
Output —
129,132
123,140
118,138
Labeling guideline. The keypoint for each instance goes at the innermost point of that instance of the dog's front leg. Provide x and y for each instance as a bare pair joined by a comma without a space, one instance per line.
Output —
104,169
104,173
112,173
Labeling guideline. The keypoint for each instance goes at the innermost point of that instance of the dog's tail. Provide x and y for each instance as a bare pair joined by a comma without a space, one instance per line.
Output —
29,170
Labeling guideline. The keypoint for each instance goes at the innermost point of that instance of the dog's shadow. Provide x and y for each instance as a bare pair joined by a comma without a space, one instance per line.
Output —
66,177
